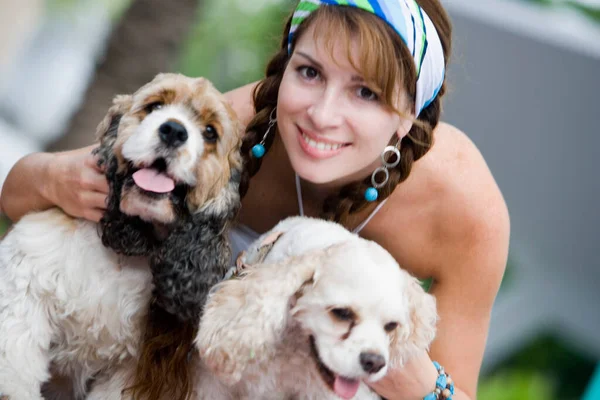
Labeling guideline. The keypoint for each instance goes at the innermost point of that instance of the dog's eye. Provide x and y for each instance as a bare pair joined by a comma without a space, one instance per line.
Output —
343,314
210,134
390,326
157,105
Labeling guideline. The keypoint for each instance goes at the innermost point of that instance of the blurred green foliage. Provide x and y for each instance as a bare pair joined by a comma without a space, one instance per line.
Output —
515,384
547,368
233,41
3,224
588,10
66,7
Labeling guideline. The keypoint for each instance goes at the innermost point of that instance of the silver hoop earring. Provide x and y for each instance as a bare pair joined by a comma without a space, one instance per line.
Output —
389,153
258,150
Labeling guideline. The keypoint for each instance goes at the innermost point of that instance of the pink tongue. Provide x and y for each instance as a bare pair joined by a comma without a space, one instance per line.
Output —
153,181
345,388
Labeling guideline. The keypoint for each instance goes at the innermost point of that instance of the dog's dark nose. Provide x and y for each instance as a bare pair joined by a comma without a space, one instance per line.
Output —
172,133
372,362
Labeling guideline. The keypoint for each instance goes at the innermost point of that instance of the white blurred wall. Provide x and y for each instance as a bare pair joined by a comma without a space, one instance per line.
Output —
19,20
49,59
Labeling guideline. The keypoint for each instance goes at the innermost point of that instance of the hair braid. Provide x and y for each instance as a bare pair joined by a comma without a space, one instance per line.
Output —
350,199
265,100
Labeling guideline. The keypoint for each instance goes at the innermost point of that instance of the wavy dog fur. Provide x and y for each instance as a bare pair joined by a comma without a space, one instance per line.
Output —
84,302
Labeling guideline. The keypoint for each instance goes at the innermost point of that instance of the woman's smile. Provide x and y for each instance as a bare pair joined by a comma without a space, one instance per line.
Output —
316,147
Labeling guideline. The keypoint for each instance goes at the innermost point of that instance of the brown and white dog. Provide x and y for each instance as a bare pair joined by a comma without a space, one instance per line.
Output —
80,298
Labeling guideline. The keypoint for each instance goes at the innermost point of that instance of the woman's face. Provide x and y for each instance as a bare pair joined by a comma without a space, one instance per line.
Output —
333,126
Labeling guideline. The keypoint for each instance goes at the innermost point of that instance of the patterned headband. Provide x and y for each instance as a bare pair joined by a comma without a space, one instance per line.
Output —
414,27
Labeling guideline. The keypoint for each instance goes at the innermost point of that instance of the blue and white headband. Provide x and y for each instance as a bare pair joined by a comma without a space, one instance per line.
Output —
414,27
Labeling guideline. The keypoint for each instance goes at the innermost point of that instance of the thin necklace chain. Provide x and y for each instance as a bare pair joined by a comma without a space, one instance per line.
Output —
355,230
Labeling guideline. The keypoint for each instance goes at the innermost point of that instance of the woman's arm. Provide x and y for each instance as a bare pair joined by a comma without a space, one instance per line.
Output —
71,180
467,256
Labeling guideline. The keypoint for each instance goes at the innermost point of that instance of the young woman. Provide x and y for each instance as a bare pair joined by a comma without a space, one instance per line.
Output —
348,106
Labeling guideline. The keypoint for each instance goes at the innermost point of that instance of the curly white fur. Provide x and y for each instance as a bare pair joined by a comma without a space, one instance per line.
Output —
65,299
255,332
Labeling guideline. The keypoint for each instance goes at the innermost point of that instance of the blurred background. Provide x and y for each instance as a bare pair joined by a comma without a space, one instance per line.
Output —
524,83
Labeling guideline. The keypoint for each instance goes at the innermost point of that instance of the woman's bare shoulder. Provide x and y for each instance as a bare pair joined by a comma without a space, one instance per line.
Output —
241,101
451,201
469,191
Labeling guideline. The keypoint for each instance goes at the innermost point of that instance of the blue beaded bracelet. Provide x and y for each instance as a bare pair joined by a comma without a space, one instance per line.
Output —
444,387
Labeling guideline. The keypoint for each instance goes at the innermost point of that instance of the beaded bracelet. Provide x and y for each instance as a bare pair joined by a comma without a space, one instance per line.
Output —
444,387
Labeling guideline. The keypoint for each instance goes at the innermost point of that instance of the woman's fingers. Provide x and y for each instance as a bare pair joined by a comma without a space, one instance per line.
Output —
93,215
98,183
96,200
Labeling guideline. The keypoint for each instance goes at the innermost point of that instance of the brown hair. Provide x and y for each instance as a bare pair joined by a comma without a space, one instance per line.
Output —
377,40
164,368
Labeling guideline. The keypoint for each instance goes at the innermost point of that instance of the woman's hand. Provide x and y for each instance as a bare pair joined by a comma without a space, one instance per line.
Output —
77,185
411,382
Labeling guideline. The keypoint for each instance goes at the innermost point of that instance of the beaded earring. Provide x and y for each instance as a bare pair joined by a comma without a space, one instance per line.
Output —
258,150
371,194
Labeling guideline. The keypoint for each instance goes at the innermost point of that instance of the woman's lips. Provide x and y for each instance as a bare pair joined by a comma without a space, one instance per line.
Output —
318,148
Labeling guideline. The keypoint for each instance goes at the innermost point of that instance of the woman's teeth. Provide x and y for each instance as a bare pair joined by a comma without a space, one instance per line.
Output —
320,145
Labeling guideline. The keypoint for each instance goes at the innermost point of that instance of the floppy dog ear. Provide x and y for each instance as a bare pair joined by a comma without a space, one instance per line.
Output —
193,258
106,132
417,336
124,234
245,318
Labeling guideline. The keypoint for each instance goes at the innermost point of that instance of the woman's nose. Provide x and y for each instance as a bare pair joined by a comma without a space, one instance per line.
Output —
326,111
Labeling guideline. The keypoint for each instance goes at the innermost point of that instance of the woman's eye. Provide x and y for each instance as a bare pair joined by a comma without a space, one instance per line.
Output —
367,94
308,72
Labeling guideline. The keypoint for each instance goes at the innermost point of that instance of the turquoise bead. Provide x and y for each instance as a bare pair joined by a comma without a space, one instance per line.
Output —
441,381
258,150
437,365
451,388
430,396
371,194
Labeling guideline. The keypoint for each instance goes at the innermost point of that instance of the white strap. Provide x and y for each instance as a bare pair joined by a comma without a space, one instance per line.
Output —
299,195
366,221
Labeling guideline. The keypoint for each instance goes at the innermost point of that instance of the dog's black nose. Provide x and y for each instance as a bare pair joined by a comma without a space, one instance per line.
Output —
172,133
372,362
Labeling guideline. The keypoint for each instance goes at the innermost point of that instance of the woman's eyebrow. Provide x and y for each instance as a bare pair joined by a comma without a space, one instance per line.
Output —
309,58
355,78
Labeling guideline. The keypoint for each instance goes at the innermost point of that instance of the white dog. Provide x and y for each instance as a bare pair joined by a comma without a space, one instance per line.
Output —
323,312
317,312
74,295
